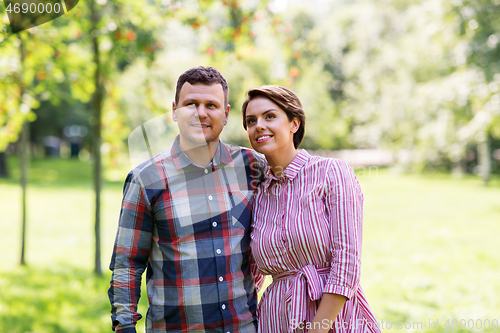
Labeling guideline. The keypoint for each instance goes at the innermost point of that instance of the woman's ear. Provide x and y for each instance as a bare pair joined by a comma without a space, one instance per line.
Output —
295,124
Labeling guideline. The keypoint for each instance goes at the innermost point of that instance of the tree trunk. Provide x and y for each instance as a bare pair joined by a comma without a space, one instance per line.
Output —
24,181
97,99
4,171
484,152
23,160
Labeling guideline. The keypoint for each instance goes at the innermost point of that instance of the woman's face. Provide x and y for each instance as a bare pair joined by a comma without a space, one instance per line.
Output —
268,128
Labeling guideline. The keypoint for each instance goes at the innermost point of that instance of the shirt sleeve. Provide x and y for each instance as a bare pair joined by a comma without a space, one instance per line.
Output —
344,205
130,256
258,278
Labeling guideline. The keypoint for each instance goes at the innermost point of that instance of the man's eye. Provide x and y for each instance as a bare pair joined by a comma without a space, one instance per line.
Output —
211,106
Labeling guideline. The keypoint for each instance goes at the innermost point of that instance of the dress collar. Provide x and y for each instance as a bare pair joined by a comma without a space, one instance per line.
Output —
290,171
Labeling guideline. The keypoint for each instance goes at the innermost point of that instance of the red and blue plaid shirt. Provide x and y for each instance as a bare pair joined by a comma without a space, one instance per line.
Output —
190,226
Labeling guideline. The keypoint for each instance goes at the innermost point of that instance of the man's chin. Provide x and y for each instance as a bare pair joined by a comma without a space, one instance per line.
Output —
196,141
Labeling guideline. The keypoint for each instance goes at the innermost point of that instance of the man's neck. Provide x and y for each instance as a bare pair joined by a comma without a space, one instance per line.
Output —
200,155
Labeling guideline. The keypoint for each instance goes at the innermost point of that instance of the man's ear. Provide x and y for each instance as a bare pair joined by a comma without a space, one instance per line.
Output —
227,113
174,115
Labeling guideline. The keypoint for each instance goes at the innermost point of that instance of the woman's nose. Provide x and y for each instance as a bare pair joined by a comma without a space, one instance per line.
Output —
260,125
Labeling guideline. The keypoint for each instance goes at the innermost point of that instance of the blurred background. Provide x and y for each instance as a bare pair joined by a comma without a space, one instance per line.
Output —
405,91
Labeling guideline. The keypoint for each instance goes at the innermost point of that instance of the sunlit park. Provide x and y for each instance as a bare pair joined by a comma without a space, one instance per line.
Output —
407,92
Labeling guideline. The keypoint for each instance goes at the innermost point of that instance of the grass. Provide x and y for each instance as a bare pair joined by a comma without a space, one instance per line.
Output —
430,250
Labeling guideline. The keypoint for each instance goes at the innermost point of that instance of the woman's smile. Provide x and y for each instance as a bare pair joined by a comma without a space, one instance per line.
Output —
263,138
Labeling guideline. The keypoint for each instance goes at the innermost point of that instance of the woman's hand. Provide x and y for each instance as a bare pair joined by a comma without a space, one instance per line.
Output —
329,308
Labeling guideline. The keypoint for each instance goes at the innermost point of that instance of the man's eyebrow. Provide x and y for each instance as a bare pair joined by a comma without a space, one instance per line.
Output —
197,100
191,100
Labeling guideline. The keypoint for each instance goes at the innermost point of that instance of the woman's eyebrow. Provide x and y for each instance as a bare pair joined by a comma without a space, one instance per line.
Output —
263,113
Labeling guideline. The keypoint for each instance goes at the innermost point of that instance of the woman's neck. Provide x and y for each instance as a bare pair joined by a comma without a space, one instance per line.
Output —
278,162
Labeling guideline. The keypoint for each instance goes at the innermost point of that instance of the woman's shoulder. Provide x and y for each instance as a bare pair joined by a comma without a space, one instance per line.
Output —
327,162
328,170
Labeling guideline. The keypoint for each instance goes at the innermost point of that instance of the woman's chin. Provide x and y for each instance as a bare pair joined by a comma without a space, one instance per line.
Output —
266,151
258,148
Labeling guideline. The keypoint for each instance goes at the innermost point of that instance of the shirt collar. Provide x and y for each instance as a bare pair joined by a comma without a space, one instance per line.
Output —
290,171
297,163
181,160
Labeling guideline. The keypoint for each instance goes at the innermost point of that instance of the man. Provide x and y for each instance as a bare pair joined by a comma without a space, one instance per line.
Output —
186,215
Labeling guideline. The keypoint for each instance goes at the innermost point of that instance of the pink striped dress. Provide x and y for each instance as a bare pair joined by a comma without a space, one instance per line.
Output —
307,234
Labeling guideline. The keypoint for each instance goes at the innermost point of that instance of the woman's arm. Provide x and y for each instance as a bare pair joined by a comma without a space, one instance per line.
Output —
329,308
344,205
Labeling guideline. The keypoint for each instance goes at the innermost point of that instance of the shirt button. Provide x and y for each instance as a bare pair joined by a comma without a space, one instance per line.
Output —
214,224
223,306
220,280
210,197
218,251
206,171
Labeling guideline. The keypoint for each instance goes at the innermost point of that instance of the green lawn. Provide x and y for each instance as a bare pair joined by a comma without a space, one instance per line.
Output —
430,252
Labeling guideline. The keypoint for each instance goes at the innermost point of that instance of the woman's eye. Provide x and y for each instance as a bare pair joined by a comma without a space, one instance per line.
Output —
269,116
250,121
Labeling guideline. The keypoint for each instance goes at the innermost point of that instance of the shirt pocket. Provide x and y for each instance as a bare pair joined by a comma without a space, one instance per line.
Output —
241,204
313,208
310,201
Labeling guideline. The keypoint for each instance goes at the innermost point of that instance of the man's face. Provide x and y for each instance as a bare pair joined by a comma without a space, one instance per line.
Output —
200,114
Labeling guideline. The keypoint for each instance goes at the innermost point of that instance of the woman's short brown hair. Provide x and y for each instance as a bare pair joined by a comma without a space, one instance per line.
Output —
287,100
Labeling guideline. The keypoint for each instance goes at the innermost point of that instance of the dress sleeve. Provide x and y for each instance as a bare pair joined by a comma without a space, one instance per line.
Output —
344,205
130,256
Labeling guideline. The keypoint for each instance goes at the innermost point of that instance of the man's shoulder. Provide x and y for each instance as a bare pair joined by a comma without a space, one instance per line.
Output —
249,155
150,166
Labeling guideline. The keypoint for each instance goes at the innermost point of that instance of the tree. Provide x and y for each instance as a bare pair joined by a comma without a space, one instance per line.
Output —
106,28
67,53
481,29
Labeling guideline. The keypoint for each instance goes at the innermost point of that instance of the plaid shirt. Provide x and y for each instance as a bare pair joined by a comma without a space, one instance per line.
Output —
190,226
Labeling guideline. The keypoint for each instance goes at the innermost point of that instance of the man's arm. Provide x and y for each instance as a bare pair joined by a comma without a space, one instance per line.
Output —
130,256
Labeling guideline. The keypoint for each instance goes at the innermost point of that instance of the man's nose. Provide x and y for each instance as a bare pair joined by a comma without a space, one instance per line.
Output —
202,112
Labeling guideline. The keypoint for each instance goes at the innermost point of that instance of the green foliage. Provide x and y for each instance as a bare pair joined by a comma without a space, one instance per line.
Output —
418,77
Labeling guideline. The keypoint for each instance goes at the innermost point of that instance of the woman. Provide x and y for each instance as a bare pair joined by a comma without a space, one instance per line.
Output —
307,225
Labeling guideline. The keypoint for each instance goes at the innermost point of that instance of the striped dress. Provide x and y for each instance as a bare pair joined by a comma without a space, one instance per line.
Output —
307,233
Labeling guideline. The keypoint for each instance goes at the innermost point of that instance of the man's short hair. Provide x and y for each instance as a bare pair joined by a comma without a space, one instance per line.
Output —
205,75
